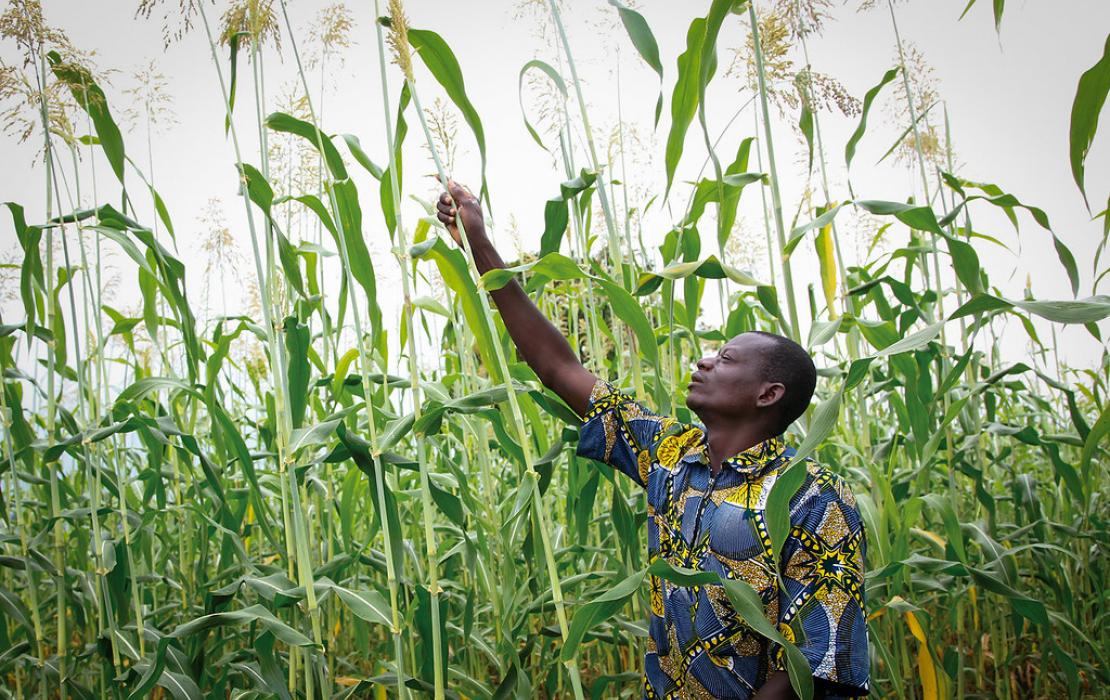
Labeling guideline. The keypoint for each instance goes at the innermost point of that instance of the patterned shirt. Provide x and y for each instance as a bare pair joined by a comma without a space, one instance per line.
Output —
697,647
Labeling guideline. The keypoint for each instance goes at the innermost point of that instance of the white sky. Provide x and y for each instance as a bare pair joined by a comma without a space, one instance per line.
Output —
1008,97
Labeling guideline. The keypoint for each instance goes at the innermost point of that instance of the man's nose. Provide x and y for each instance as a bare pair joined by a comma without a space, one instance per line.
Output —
704,363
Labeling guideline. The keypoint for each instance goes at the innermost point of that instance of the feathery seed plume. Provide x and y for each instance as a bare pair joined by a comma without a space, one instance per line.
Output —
399,38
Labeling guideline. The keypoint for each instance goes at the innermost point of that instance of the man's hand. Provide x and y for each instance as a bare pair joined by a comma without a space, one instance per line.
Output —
456,199
778,687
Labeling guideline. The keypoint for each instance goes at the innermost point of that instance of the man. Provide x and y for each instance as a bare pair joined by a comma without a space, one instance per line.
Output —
707,488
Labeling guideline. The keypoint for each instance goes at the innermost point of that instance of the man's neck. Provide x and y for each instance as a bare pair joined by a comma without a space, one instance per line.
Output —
728,438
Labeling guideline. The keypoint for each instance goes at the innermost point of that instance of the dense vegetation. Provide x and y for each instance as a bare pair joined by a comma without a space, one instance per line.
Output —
307,501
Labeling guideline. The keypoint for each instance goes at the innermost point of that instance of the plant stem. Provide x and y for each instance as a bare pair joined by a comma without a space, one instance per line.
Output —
776,197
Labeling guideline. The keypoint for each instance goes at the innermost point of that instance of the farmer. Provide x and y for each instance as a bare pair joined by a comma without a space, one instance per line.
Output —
707,488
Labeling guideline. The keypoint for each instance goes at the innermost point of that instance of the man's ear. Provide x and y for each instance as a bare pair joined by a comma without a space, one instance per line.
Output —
770,394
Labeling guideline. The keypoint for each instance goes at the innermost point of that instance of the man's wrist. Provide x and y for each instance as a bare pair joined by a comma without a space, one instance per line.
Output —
485,255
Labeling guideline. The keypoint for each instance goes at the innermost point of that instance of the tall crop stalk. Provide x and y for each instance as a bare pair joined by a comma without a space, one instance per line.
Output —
918,152
776,196
615,253
766,218
51,399
23,524
577,226
610,224
859,407
297,554
522,436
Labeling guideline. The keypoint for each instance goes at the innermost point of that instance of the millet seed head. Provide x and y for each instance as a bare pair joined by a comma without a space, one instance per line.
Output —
399,38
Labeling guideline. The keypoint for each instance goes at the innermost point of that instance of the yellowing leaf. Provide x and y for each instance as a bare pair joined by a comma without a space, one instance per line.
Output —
826,257
925,668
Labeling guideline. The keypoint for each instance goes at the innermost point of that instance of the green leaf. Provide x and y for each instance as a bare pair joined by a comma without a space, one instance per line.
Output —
556,216
31,278
92,99
599,610
978,304
913,341
366,605
709,268
15,610
681,576
644,41
805,125
358,255
556,212
916,217
441,61
998,7
1089,310
255,614
868,99
456,275
279,121
297,345
799,232
1098,433
355,146
555,266
151,672
629,310
902,137
555,78
148,385
233,82
749,606
385,193
1090,96
318,434
735,179
793,475
260,192
426,632
684,98
966,263
1008,202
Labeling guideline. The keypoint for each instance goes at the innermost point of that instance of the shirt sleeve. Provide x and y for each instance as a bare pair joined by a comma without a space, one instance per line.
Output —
821,603
622,432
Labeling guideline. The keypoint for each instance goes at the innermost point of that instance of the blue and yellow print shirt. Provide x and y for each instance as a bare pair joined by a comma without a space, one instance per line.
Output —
697,647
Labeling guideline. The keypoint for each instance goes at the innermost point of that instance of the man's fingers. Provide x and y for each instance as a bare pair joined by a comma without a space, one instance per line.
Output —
459,193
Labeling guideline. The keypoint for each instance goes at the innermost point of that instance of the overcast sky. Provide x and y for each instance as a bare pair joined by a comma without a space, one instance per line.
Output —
1008,98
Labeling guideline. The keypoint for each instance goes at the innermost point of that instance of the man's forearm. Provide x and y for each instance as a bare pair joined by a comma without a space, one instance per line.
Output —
539,342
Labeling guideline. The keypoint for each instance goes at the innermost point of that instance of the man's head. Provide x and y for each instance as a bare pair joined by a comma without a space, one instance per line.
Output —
756,376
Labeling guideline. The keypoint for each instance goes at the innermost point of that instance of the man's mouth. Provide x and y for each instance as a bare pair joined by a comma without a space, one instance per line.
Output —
696,378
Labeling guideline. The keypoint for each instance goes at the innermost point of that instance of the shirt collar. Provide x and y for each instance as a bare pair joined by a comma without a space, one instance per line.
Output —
755,458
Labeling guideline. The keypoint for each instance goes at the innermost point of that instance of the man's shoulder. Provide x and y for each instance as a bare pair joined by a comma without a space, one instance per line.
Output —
606,395
822,486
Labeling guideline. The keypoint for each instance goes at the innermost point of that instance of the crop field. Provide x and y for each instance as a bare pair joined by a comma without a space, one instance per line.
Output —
289,451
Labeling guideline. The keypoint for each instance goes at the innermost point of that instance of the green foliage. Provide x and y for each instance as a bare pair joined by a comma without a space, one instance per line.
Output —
275,506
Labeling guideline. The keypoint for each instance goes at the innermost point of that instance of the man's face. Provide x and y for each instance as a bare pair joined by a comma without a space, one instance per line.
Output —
730,384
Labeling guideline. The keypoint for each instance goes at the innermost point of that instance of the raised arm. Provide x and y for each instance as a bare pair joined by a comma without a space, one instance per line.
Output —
539,342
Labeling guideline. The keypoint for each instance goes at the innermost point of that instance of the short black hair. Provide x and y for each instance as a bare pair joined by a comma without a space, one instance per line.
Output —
787,362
